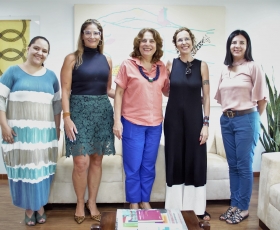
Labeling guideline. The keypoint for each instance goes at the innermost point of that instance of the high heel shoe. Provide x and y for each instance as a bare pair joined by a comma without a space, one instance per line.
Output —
94,217
79,219
41,219
31,219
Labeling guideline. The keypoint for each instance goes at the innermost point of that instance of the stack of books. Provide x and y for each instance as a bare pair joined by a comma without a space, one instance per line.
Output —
150,219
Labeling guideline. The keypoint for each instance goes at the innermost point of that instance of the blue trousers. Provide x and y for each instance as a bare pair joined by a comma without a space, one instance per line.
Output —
240,137
140,149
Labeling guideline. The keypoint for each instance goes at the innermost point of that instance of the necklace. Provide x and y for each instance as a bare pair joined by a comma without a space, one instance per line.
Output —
149,78
239,62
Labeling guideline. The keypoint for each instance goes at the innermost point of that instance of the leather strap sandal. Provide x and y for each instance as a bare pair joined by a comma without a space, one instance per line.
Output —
30,221
206,214
236,218
227,214
41,219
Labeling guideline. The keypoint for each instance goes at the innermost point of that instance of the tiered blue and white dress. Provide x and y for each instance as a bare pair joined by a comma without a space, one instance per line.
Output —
31,160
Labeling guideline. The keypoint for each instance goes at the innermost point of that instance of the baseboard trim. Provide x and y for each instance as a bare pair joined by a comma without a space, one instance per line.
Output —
262,225
63,206
3,177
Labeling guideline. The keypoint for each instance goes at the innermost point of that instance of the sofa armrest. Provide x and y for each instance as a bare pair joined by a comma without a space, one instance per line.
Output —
269,175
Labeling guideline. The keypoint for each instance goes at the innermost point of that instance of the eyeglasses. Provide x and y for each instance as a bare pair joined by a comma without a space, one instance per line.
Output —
88,33
188,69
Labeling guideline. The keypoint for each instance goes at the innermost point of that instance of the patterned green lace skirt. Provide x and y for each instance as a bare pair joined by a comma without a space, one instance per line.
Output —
93,117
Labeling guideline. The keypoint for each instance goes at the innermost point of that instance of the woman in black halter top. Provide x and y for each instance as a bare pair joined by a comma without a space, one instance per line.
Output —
86,78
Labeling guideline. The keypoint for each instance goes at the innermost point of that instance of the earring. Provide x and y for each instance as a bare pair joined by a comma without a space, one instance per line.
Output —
100,44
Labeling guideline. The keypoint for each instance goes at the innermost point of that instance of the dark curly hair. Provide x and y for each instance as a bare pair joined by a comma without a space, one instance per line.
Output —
174,40
136,43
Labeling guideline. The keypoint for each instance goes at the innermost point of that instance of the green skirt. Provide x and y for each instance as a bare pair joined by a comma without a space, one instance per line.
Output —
93,117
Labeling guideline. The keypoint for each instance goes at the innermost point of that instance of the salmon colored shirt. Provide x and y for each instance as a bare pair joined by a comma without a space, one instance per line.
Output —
142,100
243,89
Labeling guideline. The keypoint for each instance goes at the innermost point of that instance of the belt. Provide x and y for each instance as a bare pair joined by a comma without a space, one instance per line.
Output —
233,113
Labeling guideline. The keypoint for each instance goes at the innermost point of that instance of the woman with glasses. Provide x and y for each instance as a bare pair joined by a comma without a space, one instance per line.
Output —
138,114
186,128
243,96
86,78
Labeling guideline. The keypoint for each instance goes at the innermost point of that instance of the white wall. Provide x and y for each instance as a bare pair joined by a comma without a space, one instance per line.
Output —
261,19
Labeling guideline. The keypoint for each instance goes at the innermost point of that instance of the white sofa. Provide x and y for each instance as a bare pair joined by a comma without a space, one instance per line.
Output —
112,182
269,192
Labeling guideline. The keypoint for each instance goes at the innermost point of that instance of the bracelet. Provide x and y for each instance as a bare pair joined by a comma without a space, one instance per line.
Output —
206,121
66,114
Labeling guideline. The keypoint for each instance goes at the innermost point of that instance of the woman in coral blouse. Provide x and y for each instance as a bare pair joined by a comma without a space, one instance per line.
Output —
243,96
138,114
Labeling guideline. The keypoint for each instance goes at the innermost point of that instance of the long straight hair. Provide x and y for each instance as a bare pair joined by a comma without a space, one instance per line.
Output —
80,46
248,53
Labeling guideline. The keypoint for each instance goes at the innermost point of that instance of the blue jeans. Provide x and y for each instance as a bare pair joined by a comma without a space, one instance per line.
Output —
240,137
140,148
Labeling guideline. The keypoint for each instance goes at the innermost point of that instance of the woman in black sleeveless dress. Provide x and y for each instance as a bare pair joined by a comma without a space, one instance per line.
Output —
185,128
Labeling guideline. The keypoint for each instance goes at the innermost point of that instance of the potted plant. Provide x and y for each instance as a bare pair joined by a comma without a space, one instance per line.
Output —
271,136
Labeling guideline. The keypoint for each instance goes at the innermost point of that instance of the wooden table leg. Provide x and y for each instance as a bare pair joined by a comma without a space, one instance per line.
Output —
204,225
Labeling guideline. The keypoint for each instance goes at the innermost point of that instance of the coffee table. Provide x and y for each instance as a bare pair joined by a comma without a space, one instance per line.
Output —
108,221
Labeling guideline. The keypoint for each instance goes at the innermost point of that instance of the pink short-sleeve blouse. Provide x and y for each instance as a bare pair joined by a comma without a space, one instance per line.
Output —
242,89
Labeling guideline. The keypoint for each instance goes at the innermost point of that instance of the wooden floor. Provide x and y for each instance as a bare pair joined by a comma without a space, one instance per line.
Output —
61,217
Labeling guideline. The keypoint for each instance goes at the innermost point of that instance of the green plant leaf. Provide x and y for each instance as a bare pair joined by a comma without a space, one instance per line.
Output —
271,135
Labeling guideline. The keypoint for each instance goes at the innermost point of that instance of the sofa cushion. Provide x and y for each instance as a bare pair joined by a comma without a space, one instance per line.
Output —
112,169
274,196
118,146
220,149
211,144
217,167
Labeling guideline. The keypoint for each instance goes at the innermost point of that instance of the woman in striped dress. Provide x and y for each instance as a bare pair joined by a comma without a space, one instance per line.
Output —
30,129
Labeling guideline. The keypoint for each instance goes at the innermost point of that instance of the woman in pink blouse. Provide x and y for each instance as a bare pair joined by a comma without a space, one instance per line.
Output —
243,96
138,114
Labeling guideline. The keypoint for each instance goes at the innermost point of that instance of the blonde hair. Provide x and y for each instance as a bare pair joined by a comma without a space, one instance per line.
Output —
80,45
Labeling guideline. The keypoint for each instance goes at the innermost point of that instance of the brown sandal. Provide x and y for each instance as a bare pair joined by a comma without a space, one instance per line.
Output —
94,217
229,212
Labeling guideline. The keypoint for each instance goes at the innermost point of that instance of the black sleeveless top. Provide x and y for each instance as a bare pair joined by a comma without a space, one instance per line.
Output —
91,77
